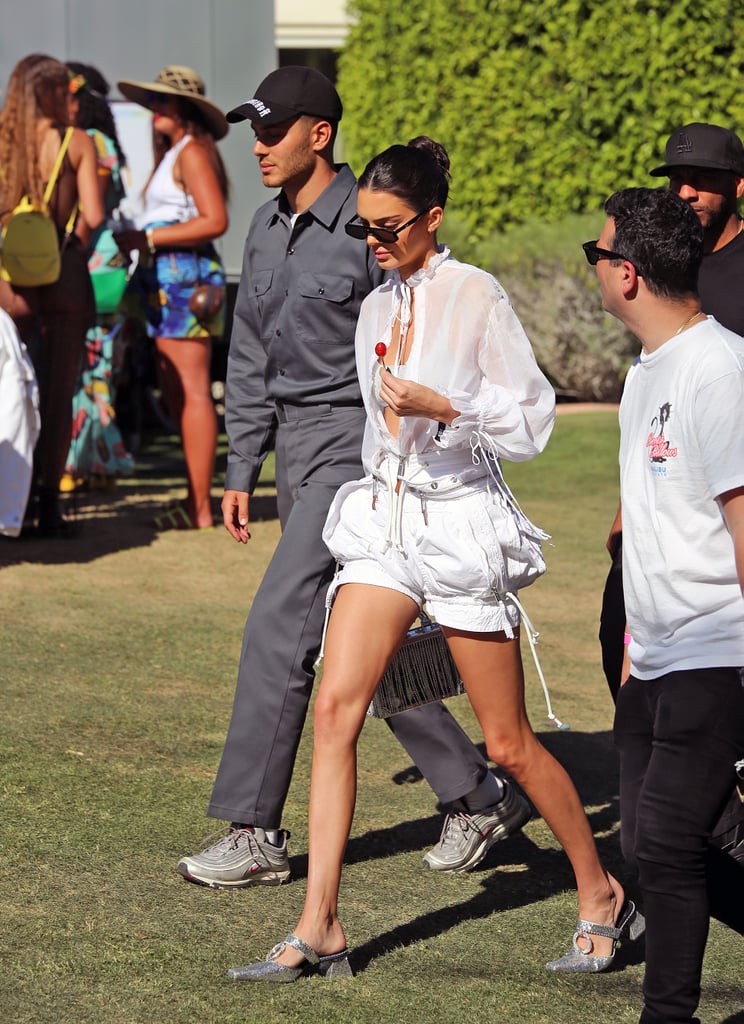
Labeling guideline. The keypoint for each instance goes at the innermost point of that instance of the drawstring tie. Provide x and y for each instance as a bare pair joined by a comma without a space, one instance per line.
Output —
532,636
397,485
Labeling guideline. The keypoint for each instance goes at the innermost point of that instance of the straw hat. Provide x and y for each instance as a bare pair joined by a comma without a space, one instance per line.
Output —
176,80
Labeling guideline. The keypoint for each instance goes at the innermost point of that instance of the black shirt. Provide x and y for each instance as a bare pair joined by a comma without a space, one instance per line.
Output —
721,284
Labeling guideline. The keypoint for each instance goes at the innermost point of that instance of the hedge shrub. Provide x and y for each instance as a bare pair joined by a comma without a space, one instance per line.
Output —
545,107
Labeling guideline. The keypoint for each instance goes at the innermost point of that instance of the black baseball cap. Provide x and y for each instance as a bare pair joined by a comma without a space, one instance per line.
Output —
287,93
703,145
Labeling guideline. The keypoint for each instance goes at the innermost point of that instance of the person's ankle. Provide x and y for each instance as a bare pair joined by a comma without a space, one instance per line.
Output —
489,792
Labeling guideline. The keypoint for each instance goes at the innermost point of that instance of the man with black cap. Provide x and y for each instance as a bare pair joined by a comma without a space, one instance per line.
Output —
292,367
705,167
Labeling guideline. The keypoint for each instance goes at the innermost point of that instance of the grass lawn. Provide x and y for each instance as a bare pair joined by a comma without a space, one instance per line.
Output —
118,655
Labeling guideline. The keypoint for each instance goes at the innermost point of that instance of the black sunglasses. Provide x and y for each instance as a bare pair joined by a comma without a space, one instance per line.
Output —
594,254
381,234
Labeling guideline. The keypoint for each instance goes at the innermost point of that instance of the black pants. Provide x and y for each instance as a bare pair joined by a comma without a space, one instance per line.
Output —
728,833
679,736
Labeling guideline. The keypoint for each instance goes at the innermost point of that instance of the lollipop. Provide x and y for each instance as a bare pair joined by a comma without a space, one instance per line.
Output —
380,350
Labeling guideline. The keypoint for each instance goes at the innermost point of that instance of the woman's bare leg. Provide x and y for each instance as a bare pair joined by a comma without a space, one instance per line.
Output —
366,628
184,365
491,669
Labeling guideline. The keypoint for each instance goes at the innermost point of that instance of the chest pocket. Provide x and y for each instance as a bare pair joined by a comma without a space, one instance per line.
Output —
326,312
258,296
260,283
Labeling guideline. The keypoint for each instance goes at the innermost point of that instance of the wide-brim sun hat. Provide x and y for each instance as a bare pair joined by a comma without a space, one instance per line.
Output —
177,80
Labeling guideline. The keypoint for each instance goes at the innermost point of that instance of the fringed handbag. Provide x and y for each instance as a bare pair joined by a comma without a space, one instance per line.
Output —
421,672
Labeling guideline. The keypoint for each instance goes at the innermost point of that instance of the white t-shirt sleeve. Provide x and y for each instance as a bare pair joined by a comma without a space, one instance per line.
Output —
719,413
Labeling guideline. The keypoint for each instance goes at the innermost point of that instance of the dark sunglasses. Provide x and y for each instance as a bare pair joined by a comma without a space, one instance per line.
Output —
381,234
594,254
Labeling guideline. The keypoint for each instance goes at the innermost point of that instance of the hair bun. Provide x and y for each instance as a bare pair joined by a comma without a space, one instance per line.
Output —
435,150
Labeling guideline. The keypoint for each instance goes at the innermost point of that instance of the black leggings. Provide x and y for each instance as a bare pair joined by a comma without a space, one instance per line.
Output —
54,326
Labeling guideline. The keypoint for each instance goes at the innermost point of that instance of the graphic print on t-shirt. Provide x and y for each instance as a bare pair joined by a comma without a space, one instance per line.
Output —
659,448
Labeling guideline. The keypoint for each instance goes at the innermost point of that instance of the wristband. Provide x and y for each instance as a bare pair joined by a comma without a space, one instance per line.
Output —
440,430
627,639
150,242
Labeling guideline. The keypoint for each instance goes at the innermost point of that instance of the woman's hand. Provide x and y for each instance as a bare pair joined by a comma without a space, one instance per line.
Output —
407,398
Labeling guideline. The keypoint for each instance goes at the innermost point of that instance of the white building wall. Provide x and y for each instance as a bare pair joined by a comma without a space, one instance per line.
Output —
310,24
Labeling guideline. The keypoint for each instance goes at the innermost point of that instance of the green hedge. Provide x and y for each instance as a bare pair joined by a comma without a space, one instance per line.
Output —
545,107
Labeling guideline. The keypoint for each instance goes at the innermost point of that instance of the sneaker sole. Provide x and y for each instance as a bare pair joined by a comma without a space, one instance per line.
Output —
266,878
496,835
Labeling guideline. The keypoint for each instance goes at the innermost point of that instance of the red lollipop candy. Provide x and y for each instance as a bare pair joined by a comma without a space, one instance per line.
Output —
380,350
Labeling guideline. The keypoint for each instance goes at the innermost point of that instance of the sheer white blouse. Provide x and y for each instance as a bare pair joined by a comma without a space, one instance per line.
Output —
469,346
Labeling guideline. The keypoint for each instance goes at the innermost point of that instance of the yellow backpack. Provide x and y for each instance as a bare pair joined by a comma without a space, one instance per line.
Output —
30,249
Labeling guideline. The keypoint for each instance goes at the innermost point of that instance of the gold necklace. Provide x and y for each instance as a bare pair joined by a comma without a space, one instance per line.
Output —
688,322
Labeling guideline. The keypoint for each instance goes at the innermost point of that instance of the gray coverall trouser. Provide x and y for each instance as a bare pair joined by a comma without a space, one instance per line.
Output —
317,450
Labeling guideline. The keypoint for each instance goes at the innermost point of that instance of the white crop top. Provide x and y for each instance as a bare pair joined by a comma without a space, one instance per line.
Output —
165,202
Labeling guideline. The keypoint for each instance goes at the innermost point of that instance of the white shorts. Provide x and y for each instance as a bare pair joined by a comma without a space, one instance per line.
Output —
462,555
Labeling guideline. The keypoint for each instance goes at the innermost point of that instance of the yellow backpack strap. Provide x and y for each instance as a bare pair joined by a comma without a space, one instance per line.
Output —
69,226
57,165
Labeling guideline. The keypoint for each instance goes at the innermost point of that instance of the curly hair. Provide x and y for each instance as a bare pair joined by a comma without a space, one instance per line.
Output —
37,89
94,110
661,235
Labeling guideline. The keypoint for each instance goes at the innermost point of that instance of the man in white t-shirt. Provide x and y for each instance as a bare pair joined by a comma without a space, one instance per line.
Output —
679,724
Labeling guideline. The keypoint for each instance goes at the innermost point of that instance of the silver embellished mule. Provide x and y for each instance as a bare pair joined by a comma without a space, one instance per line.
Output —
335,965
577,960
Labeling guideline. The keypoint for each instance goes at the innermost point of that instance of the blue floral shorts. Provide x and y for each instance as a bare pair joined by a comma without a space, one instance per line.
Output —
159,294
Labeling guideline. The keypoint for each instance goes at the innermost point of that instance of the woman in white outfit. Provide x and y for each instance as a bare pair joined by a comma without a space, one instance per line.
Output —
432,521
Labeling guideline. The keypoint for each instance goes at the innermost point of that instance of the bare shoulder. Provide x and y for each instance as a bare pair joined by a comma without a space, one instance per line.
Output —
193,156
81,145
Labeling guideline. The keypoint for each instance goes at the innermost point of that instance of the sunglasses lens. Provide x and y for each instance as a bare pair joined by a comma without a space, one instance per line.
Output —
362,231
590,251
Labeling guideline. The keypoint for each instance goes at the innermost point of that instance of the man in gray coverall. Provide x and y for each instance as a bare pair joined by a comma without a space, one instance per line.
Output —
291,366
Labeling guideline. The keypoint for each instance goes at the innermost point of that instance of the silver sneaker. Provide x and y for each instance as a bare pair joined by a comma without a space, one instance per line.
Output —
241,857
467,838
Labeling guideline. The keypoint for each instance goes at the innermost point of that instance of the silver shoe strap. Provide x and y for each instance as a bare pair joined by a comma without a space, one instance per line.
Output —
606,931
296,943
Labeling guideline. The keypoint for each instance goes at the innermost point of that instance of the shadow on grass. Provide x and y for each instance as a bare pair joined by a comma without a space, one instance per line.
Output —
547,873
121,519
589,758
103,531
